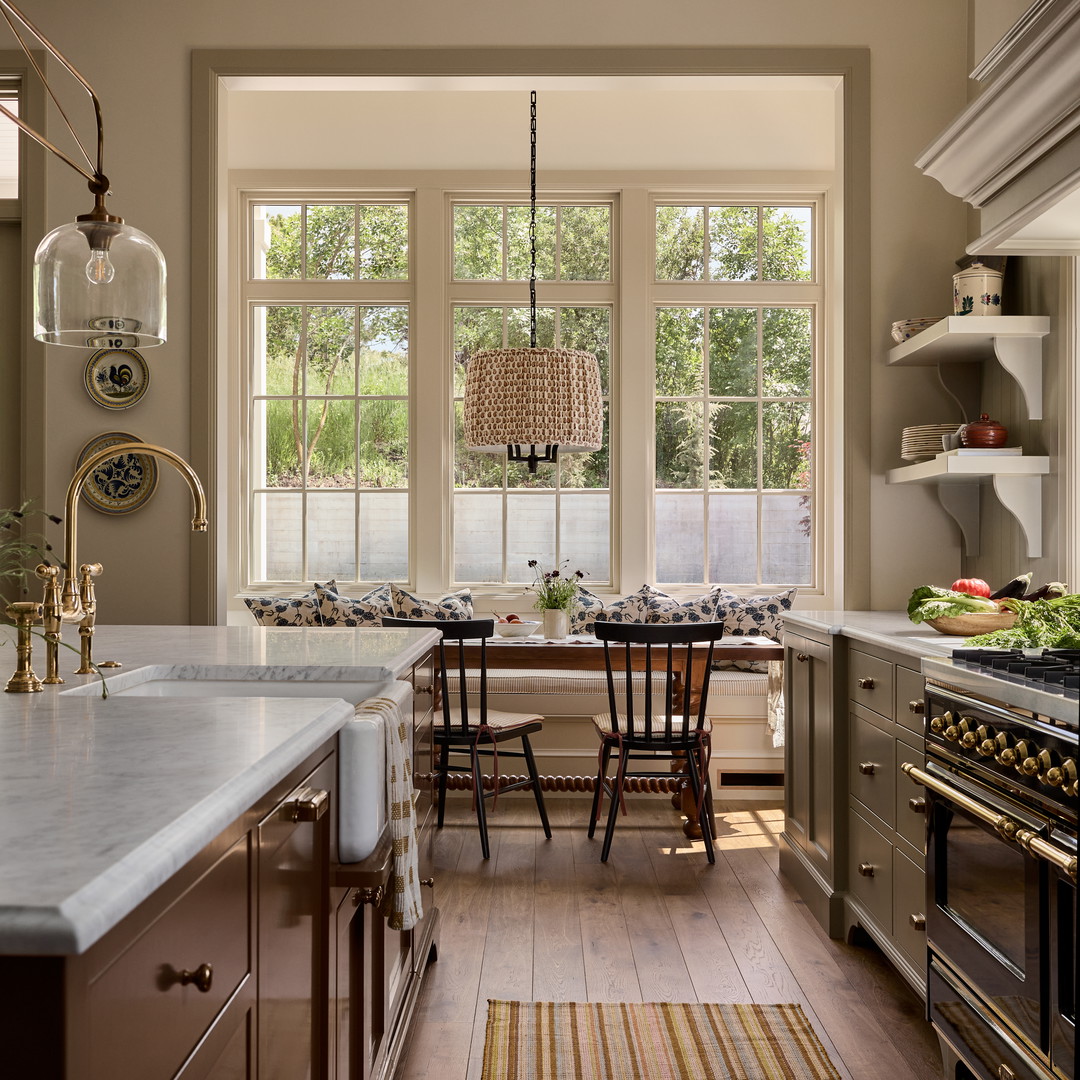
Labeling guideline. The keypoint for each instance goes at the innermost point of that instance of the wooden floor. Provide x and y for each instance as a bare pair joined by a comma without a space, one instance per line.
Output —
545,920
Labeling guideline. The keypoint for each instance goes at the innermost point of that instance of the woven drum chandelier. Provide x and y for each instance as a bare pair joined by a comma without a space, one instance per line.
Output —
531,403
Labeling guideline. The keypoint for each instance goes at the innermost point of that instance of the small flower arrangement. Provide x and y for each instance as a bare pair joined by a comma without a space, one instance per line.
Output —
19,548
555,589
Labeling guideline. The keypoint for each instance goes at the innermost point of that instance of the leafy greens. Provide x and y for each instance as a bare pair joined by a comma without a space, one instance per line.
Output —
930,602
1049,624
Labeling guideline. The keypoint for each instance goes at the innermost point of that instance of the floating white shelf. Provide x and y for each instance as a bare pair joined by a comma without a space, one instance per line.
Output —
1014,340
958,479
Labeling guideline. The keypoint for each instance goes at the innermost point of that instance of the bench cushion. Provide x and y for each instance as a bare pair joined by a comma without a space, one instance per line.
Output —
559,681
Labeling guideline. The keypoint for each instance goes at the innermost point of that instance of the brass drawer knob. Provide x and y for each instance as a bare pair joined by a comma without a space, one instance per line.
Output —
867,869
918,922
865,684
867,768
428,881
801,657
426,689
374,897
202,978
917,805
917,706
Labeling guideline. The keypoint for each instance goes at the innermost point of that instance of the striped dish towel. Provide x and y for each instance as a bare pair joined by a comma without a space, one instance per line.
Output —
402,905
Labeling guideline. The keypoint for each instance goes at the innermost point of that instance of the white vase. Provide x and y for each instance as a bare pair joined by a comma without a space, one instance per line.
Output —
556,623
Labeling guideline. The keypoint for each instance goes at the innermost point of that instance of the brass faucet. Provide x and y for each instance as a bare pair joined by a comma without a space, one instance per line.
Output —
75,600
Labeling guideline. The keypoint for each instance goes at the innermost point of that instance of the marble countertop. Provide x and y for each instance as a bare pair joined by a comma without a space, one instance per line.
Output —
101,801
887,629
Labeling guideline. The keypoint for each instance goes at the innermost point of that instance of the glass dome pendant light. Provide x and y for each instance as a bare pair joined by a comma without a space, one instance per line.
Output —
531,403
98,283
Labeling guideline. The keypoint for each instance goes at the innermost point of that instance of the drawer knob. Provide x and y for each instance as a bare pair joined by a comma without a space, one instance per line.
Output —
866,869
867,768
428,881
865,684
917,706
917,805
423,689
374,897
202,978
918,922
801,657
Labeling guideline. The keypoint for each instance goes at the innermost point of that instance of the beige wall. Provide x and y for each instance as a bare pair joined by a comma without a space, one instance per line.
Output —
138,56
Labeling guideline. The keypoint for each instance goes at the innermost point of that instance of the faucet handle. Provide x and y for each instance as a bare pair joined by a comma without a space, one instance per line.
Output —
88,570
45,571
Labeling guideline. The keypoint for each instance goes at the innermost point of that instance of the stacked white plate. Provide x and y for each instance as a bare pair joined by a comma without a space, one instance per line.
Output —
923,441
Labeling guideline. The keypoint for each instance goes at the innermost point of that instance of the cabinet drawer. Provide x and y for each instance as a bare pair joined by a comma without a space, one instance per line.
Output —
870,873
138,1009
909,699
909,908
870,682
910,821
872,768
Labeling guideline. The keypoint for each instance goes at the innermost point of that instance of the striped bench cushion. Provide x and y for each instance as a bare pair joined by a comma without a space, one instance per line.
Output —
558,681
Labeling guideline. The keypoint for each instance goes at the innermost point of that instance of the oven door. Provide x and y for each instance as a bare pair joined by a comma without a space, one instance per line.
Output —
986,900
1063,947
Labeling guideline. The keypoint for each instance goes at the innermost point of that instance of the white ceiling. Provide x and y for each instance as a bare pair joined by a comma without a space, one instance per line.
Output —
729,123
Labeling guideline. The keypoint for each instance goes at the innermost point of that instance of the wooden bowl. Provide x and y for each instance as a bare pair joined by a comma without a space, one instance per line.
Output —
975,623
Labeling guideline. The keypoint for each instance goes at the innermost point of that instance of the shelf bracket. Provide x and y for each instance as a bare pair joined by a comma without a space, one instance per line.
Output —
1021,357
1022,497
961,502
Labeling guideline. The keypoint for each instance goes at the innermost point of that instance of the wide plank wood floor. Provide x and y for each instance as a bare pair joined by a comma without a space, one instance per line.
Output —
545,920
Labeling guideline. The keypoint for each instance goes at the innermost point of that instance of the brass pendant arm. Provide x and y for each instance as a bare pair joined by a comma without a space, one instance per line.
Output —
10,12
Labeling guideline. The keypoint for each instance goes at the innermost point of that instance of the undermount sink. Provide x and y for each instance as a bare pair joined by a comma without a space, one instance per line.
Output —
361,742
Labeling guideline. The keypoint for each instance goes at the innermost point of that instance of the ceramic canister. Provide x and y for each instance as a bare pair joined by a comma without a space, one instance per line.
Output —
977,291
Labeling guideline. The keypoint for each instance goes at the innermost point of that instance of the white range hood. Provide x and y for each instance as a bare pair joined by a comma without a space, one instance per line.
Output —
1014,152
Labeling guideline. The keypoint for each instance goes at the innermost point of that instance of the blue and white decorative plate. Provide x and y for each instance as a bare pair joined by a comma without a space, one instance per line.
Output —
116,378
121,484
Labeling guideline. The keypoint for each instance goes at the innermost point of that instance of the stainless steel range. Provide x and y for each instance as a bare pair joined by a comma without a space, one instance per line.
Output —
1001,781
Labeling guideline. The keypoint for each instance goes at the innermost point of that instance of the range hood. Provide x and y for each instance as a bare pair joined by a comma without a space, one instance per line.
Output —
1014,152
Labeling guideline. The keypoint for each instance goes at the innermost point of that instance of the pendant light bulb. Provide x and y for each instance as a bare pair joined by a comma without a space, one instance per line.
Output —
99,268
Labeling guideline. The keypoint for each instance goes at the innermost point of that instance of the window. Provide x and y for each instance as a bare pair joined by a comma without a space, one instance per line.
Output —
734,394
503,515
706,314
329,392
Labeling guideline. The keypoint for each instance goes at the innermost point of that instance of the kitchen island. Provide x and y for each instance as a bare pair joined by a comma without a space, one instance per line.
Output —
140,832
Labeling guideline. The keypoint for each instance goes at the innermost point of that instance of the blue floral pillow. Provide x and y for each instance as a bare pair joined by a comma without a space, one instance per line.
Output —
661,608
285,610
588,607
455,607
368,610
754,616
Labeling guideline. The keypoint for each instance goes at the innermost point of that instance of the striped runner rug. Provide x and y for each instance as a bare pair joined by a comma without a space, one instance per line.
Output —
544,1040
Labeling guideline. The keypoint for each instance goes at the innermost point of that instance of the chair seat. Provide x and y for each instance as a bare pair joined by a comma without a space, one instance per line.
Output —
679,727
502,723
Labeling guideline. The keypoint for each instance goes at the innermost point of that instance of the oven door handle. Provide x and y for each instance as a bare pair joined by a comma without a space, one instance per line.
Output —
1004,826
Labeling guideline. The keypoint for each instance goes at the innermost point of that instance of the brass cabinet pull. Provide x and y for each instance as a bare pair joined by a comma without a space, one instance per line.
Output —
917,805
428,881
202,978
917,706
865,684
867,768
369,896
918,922
1004,826
867,869
309,805
427,689
801,657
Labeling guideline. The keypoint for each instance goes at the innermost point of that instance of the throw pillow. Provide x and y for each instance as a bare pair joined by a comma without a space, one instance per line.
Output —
754,616
285,610
454,607
368,610
588,607
758,667
662,608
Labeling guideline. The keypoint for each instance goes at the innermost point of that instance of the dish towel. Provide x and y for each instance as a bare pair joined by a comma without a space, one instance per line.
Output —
775,691
402,906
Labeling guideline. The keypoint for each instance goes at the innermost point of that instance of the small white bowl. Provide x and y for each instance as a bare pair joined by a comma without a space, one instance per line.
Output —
516,629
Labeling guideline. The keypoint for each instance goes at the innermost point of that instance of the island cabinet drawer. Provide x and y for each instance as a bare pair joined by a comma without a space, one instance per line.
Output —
910,798
156,1000
870,682
909,908
870,869
909,699
872,767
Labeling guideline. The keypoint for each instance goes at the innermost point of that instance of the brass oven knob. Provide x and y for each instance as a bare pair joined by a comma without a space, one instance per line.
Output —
937,724
865,684
986,744
1063,776
1011,755
952,732
969,740
1033,762
1046,767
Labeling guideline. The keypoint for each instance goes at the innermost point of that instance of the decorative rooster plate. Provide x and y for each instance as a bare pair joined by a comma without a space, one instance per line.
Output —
116,378
120,484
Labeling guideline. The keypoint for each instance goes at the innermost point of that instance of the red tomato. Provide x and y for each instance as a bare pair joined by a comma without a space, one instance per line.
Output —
973,586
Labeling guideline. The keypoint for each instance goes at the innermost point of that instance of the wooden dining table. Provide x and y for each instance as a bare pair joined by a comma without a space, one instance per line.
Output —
585,652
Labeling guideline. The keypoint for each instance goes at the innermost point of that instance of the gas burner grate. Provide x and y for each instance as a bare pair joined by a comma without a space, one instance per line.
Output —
1054,670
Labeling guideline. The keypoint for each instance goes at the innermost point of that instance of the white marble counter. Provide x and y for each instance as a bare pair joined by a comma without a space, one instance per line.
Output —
101,801
887,629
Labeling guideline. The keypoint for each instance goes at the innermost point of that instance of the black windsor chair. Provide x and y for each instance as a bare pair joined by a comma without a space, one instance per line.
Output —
480,733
